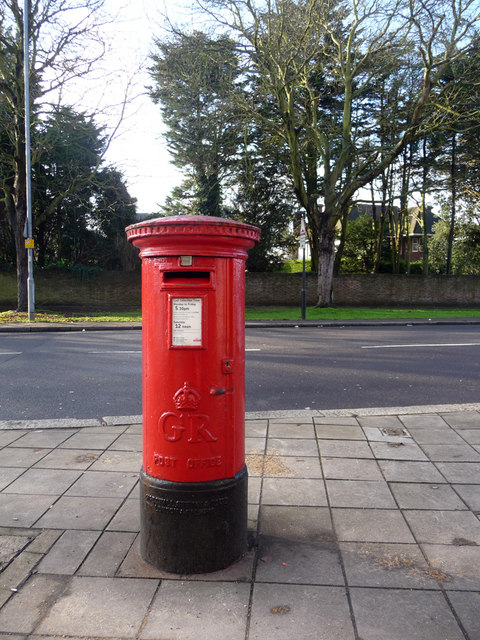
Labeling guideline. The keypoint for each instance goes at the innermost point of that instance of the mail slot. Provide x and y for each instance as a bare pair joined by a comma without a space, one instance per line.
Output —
193,477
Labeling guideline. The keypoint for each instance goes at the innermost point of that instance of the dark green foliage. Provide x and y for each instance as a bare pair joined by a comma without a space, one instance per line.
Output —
195,84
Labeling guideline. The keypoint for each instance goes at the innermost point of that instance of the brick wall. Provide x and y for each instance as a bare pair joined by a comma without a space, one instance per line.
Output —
117,290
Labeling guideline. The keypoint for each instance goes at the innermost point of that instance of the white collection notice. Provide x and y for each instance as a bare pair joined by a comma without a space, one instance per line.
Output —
186,322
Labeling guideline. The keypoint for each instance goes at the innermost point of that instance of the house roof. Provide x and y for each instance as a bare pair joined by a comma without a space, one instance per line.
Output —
415,218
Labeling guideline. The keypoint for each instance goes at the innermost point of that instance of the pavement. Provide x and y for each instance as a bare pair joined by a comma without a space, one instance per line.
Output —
364,524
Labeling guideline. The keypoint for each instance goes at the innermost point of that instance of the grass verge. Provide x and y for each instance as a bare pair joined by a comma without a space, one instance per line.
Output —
43,315
356,313
255,313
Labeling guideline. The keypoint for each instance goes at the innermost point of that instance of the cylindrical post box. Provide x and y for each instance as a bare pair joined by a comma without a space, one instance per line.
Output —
193,478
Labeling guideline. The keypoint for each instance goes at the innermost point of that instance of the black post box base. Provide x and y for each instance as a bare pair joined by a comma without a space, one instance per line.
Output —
193,527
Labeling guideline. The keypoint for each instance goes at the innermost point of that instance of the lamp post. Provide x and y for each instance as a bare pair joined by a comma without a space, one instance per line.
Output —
29,242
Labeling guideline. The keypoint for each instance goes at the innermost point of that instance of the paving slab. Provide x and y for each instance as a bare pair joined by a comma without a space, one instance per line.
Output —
255,445
332,420
21,456
364,494
8,475
118,461
444,527
303,524
290,562
472,436
46,439
284,612
466,606
100,607
292,446
80,513
404,471
430,422
296,430
396,614
18,570
108,554
461,472
410,495
256,428
53,482
101,484
397,450
339,432
127,442
26,608
437,436
301,492
351,469
457,563
21,510
470,494
127,517
68,459
86,439
451,452
369,564
68,552
345,449
371,525
189,611
7,437
463,419
291,467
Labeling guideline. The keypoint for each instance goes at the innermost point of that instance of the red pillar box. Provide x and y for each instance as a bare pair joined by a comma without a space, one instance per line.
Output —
194,478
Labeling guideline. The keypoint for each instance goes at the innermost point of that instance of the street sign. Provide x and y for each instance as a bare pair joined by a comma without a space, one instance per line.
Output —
303,234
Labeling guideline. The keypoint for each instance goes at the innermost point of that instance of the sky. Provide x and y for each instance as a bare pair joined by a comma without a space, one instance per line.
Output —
138,148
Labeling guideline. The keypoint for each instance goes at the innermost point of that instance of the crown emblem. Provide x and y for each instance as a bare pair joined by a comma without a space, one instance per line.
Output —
186,397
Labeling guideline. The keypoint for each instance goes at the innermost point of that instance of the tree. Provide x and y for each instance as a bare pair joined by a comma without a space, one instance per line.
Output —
64,44
463,253
81,207
262,198
195,82
360,245
307,52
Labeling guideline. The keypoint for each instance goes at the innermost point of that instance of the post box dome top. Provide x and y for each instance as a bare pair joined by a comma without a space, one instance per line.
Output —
198,235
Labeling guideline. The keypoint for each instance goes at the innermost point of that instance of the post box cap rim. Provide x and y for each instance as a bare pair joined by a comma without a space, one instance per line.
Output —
194,224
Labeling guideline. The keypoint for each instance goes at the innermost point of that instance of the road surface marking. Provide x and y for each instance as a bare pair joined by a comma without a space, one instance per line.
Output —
11,353
116,351
138,351
407,346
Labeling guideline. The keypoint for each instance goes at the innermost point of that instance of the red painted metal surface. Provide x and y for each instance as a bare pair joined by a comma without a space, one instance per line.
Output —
193,292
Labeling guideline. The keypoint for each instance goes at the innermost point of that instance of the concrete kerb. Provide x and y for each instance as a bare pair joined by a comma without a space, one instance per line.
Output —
249,324
106,421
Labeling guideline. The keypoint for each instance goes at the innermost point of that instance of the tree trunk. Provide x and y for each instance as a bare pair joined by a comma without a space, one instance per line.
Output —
326,259
22,270
338,254
20,215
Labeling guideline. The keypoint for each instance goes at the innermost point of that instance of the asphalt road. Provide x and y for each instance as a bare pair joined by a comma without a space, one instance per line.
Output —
94,374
